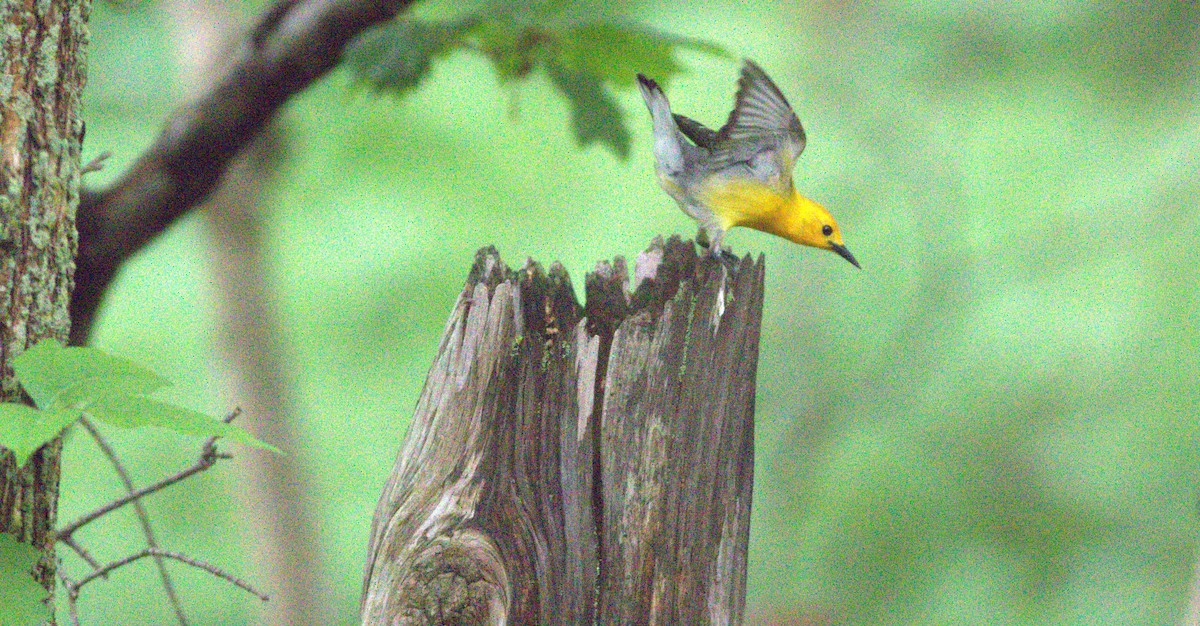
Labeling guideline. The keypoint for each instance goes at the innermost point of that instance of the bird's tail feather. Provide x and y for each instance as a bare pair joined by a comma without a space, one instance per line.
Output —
656,101
667,148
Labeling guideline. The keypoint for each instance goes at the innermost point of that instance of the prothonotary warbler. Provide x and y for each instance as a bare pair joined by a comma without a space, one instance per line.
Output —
740,175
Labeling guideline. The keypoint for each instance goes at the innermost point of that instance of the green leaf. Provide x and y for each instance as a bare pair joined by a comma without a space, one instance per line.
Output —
395,56
24,429
618,52
58,377
513,50
137,411
595,116
22,599
64,382
580,59
585,56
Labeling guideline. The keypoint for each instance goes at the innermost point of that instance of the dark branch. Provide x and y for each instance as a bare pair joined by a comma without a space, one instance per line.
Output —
295,43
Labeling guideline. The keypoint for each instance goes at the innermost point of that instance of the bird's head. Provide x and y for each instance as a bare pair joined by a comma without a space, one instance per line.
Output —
812,225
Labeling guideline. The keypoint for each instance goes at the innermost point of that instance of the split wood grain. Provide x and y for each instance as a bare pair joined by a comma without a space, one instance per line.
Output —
573,464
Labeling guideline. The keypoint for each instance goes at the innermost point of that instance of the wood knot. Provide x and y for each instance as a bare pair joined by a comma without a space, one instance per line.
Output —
455,579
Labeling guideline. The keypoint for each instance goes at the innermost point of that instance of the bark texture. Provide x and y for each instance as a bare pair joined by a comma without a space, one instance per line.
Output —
42,74
578,465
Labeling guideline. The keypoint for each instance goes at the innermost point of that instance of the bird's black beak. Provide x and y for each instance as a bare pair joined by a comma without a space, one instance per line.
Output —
843,252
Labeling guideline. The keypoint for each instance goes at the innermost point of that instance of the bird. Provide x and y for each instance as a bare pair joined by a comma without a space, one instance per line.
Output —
740,174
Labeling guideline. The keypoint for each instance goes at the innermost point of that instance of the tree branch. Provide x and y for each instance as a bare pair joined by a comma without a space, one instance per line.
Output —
295,43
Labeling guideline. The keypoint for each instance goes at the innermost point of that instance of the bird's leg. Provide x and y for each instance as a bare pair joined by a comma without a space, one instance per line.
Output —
710,236
715,234
719,252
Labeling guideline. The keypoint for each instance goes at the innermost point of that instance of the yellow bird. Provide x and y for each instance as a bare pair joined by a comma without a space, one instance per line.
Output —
740,175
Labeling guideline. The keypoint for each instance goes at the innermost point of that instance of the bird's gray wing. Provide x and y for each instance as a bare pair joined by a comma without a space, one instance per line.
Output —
700,134
761,128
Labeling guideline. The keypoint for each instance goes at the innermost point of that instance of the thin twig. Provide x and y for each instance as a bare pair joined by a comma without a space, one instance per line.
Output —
203,463
145,552
143,518
72,593
208,457
96,164
83,554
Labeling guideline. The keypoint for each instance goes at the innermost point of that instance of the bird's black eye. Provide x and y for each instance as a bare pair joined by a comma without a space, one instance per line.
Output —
827,230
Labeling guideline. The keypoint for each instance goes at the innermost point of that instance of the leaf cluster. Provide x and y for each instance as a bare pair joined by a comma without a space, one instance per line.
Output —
65,382
582,60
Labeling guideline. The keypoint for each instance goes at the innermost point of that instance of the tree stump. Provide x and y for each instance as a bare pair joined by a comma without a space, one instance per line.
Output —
579,465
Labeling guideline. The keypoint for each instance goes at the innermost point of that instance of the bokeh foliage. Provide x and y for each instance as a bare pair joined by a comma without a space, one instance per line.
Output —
22,599
994,422
580,58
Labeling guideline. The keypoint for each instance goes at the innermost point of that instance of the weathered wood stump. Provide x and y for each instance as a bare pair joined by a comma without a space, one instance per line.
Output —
579,465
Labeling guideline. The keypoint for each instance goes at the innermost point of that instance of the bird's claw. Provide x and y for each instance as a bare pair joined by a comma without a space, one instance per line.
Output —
714,247
722,255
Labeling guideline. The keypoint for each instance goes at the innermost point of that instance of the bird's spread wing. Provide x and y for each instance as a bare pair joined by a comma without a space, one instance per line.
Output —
761,121
700,134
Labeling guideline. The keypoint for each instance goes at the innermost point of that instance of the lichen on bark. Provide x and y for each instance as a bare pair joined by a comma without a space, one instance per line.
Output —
42,75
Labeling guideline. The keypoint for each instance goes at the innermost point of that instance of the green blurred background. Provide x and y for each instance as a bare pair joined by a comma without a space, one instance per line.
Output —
995,422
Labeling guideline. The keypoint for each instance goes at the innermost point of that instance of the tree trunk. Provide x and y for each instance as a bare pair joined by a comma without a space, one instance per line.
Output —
578,465
41,78
274,499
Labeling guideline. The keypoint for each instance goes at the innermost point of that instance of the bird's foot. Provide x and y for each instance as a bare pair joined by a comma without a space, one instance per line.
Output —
713,245
722,254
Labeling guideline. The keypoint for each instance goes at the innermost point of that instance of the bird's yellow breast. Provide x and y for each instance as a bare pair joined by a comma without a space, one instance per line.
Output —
749,203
